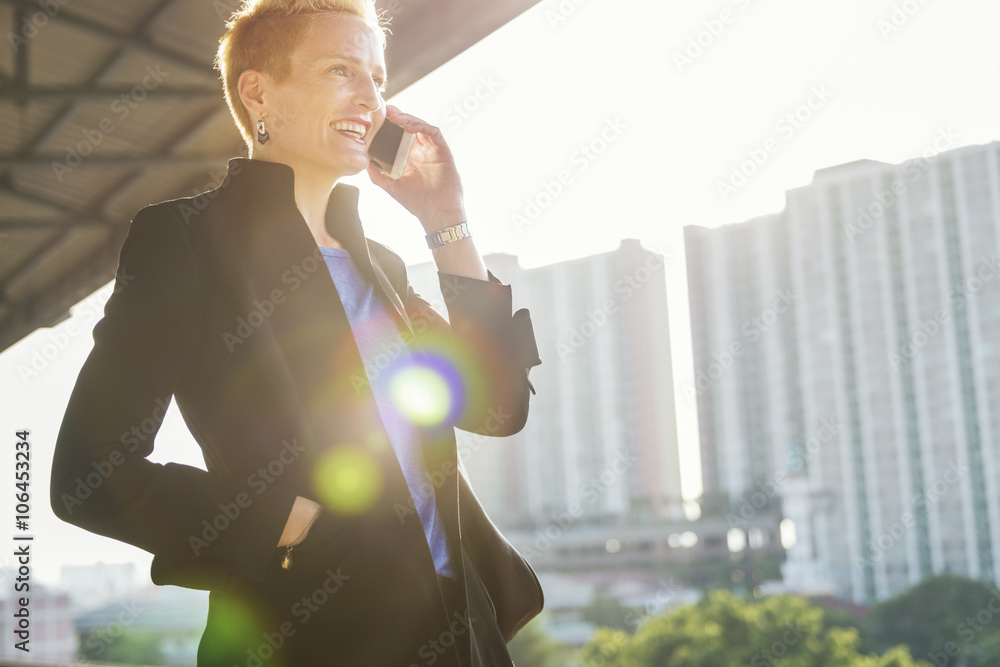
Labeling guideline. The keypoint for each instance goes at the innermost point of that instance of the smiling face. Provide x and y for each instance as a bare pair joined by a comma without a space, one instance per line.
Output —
323,115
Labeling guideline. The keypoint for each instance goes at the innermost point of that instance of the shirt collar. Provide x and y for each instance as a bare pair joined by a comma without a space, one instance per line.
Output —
271,187
264,195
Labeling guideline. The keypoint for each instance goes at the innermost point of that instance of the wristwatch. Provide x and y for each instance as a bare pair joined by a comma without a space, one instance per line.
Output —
448,235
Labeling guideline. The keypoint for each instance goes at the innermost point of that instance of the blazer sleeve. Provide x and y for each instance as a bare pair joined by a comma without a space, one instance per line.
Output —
101,478
491,348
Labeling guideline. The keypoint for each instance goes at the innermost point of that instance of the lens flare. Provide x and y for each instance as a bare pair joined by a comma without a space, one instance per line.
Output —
422,394
348,480
233,625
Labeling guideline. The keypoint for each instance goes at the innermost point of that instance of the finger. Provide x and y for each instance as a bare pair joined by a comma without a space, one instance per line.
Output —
414,125
378,177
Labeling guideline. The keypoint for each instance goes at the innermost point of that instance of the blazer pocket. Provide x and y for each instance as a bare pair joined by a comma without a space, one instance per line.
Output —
323,545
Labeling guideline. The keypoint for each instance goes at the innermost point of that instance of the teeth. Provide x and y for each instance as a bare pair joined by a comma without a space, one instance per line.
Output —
354,128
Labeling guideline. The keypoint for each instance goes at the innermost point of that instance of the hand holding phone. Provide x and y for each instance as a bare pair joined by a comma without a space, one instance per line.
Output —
390,149
429,187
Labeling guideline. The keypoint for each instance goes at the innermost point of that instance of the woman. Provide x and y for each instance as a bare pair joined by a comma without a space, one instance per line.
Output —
332,525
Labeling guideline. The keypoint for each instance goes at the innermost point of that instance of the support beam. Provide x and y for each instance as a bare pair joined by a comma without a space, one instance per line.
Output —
24,94
44,255
29,224
133,40
60,209
21,55
429,33
68,110
52,307
127,161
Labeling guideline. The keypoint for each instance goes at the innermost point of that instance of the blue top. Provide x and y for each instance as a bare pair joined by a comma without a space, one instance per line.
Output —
374,328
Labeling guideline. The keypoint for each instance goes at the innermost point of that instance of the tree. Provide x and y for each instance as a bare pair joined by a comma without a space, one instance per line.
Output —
723,630
133,647
838,618
531,647
949,620
604,648
608,612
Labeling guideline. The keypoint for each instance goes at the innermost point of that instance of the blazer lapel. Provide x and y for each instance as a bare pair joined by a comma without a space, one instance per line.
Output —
344,224
308,331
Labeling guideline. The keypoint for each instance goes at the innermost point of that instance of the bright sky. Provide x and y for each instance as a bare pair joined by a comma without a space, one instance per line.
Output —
882,76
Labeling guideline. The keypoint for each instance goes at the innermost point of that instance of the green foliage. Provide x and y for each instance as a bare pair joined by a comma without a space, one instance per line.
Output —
609,613
947,619
128,648
531,647
713,574
837,618
603,649
724,631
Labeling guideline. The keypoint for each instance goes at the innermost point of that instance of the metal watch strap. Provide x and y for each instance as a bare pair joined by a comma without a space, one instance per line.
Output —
448,235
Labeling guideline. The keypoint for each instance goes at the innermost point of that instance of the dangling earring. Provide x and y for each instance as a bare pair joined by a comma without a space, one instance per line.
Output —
262,134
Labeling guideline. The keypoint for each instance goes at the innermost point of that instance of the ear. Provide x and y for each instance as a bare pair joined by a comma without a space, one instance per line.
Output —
252,86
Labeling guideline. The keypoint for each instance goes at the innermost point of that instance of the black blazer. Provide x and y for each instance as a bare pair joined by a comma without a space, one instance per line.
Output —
224,301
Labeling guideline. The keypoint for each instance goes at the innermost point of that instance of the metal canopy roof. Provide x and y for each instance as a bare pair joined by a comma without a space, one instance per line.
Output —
107,106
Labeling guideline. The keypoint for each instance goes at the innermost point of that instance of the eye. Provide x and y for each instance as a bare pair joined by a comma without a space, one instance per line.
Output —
339,69
380,82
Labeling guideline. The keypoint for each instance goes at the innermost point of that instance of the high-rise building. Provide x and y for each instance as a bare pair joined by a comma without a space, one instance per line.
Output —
847,361
600,445
36,623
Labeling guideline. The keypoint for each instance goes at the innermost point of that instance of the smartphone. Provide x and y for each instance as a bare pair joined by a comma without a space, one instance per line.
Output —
390,149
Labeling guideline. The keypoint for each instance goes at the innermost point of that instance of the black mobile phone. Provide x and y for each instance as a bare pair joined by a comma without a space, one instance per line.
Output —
390,148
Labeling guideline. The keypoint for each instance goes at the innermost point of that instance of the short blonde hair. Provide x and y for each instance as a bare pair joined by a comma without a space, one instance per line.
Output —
262,34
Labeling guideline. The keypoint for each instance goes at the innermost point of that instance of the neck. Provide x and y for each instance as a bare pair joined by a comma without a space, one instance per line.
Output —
312,195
